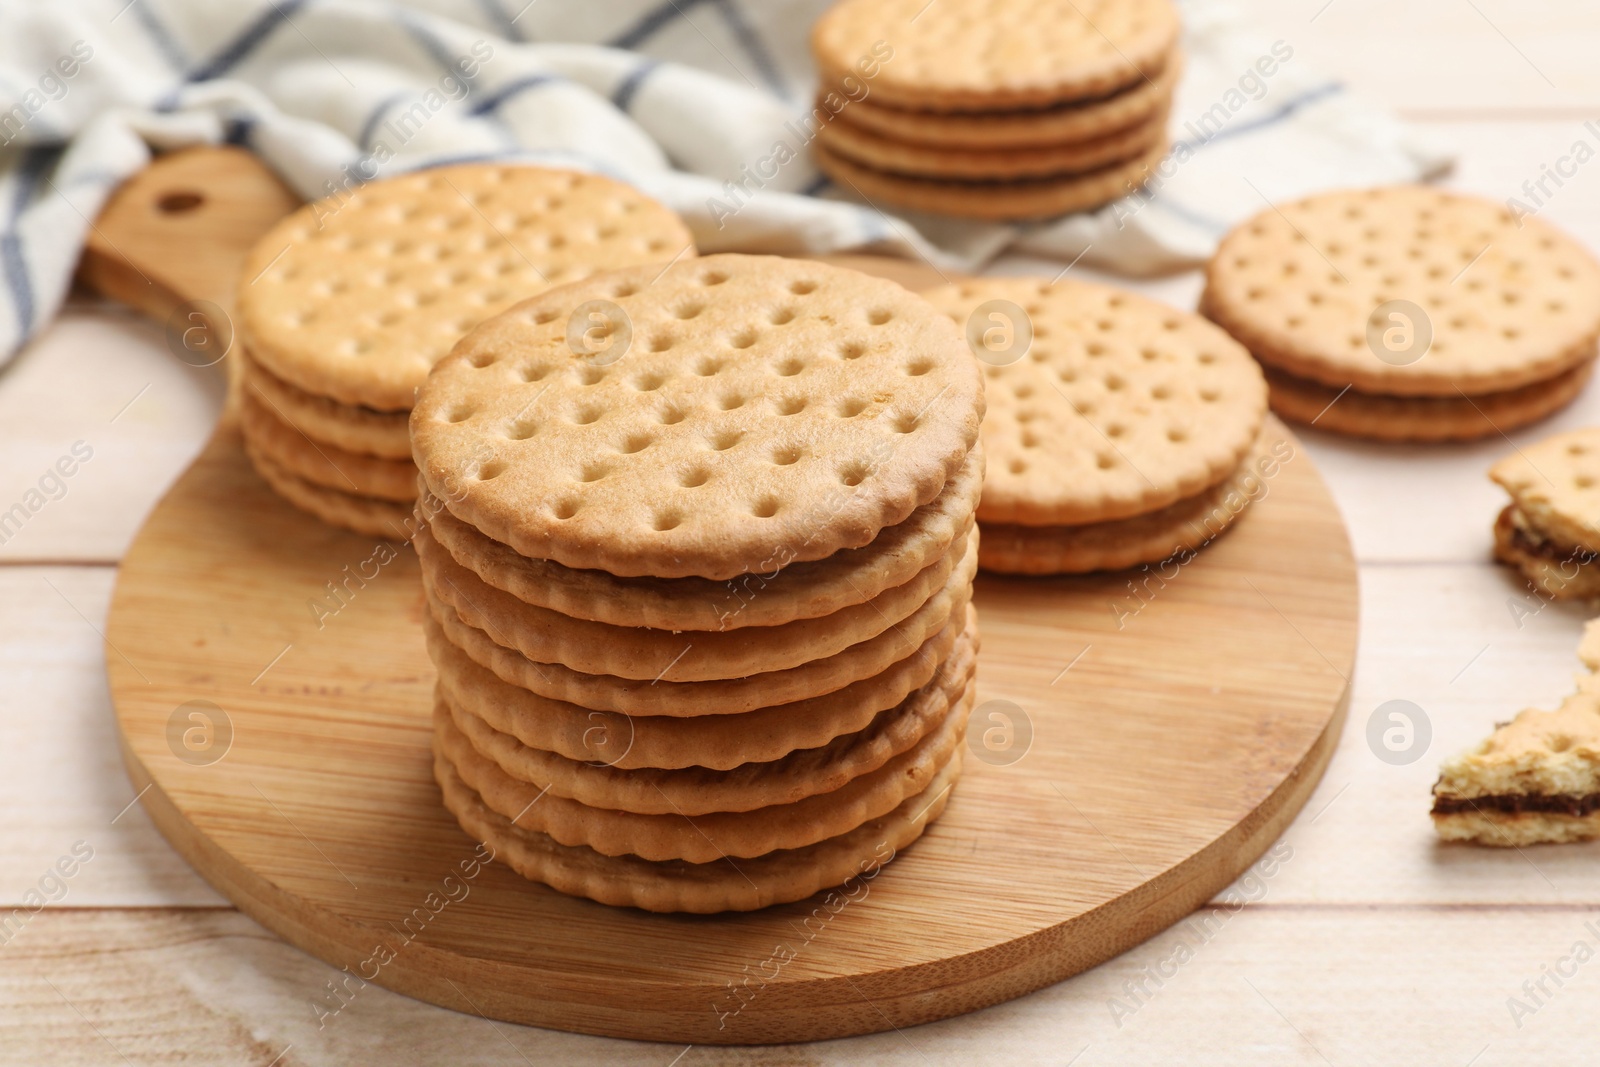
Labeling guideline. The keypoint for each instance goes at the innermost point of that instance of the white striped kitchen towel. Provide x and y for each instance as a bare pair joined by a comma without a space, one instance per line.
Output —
704,104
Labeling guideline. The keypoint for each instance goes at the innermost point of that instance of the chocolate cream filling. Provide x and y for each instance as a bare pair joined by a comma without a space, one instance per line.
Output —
1520,803
1526,540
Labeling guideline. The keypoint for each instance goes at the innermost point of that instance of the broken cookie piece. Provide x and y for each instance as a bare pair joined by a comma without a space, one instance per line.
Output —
1551,529
1536,779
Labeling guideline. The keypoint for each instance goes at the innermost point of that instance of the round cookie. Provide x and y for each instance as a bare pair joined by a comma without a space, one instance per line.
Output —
637,652
1185,526
1118,407
989,55
354,429
714,835
763,412
362,514
694,791
355,298
717,742
1073,122
799,591
990,164
998,201
731,696
1509,301
1422,418
627,881
320,463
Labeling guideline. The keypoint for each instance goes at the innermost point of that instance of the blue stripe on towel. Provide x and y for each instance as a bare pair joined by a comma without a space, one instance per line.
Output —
247,42
510,89
623,97
13,260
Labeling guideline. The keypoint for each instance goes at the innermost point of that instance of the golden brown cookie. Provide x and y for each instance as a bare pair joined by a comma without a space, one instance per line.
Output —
1560,572
1422,418
1175,531
718,742
355,297
849,861
733,696
986,55
881,153
1535,780
354,429
693,791
1079,121
799,591
1115,406
361,514
760,412
1555,486
319,462
713,835
1315,289
995,200
546,636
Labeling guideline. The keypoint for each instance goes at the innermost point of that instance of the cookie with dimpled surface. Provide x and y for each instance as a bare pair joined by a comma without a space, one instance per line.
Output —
1551,530
1116,406
1183,527
761,412
355,298
986,55
799,591
1310,287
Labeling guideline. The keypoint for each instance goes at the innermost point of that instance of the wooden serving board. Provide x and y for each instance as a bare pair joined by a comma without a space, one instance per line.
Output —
1163,730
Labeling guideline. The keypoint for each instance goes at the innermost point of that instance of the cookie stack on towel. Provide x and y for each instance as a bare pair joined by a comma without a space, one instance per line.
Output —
1119,430
1407,313
994,109
698,582
347,303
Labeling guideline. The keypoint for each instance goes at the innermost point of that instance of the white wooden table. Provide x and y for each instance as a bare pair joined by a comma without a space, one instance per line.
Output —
1370,944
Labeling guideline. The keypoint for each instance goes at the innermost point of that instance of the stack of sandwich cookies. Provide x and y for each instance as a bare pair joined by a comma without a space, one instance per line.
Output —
1119,431
1409,313
1551,529
348,302
998,109
1536,779
701,610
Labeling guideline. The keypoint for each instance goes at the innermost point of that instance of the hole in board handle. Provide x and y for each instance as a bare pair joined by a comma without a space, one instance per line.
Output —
179,203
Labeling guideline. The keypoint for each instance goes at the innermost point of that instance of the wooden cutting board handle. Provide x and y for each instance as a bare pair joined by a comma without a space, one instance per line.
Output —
179,230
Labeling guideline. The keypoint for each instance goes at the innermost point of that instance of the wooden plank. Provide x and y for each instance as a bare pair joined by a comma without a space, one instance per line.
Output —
1263,985
61,776
1446,55
100,379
